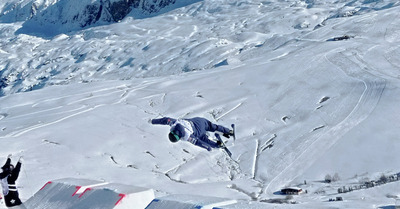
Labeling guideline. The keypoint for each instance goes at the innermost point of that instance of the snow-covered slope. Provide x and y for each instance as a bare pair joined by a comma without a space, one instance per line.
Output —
319,79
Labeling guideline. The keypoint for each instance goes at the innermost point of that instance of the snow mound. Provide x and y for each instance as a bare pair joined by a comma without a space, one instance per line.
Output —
81,193
247,205
188,202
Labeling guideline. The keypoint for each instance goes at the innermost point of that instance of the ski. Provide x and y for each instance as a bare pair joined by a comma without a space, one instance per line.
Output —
223,145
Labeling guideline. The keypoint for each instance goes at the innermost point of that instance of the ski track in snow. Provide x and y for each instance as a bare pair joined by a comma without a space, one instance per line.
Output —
229,111
69,110
320,143
38,126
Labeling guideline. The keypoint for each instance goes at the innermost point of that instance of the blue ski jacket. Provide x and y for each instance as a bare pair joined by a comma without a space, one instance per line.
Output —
193,130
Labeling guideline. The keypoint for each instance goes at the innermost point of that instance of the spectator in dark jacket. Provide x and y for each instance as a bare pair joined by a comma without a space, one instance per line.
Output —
8,178
193,130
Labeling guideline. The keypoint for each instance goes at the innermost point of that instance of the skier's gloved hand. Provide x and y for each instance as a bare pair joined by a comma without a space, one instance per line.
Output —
219,143
20,159
149,121
227,135
9,156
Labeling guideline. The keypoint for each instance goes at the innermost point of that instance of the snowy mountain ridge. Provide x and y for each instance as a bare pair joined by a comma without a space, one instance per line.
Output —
52,17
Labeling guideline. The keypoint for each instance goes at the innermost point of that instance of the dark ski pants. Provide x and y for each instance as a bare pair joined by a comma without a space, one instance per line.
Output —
12,199
206,143
202,124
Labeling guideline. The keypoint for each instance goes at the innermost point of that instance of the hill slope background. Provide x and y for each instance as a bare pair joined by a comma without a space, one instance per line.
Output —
320,79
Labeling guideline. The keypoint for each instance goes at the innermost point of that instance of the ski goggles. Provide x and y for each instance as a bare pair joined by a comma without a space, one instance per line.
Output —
175,135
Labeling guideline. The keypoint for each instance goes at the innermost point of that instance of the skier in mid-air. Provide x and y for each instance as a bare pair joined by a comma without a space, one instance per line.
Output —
8,178
193,130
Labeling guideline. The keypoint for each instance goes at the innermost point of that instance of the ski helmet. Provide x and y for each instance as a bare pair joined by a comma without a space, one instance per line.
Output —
176,133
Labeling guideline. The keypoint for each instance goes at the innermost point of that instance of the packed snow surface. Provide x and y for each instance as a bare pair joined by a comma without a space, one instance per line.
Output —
318,79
